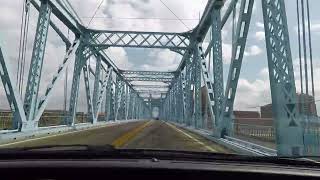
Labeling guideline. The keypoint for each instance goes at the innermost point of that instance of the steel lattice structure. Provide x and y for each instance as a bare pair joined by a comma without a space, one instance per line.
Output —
182,102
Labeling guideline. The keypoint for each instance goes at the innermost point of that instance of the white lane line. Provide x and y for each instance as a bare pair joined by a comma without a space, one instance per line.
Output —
55,135
191,137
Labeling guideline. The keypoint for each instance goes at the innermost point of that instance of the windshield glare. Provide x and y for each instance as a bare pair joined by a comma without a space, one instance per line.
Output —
232,77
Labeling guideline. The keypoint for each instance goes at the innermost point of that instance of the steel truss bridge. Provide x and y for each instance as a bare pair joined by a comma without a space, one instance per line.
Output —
180,94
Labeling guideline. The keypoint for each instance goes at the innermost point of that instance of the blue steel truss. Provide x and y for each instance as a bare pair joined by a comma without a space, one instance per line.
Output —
138,39
186,91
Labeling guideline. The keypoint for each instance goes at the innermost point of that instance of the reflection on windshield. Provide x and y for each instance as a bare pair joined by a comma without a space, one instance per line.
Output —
234,77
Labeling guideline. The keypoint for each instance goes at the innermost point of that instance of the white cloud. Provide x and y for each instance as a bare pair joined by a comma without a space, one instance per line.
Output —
253,50
259,94
226,53
315,28
260,35
258,91
120,58
161,60
259,24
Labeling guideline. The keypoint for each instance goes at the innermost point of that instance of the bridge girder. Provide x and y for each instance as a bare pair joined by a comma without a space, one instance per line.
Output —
135,39
183,99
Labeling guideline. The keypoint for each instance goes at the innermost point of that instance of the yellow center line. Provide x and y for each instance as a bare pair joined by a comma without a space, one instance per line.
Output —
193,138
125,138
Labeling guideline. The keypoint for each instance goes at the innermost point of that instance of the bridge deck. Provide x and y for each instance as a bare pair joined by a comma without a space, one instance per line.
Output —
143,134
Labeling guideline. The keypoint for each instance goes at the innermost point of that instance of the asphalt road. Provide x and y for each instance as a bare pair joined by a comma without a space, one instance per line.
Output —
142,134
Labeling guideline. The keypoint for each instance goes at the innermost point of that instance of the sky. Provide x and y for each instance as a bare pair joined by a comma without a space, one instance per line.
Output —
253,88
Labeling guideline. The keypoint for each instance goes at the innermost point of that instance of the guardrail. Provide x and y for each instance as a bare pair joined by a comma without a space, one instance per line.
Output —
248,146
266,133
45,121
6,122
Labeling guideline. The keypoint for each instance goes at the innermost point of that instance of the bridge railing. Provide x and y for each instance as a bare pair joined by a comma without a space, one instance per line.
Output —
265,133
6,122
45,121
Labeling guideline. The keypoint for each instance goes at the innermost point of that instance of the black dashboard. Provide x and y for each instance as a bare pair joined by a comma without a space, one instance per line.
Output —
147,169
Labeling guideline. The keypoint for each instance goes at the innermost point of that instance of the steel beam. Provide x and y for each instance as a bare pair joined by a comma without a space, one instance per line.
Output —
137,39
206,20
44,100
103,89
144,73
31,96
282,83
90,112
96,85
63,14
218,87
80,61
12,94
148,79
197,118
238,48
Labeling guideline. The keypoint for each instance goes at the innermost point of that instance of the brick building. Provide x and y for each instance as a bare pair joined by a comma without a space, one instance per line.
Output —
306,105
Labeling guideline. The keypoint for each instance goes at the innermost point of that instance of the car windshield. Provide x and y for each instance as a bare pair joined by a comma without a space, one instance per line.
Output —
219,76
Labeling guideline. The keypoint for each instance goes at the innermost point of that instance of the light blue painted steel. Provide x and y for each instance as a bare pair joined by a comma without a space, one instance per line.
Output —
218,86
147,86
238,48
55,28
118,95
78,65
155,79
197,118
188,100
53,84
208,87
12,94
283,90
103,90
96,87
138,39
111,115
179,98
63,14
205,23
183,97
108,100
146,73
31,96
122,108
86,78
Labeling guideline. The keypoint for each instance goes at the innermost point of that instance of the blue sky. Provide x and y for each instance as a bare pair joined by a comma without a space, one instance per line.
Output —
253,89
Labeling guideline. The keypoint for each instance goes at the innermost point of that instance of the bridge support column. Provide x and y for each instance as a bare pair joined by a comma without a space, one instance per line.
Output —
96,88
287,120
13,97
112,103
31,96
222,126
78,65
188,100
197,88
238,48
88,94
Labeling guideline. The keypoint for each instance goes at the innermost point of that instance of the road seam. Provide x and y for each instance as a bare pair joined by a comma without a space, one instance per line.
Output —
191,137
125,138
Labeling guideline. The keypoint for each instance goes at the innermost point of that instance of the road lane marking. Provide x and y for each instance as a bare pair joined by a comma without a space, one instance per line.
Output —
191,137
56,135
125,138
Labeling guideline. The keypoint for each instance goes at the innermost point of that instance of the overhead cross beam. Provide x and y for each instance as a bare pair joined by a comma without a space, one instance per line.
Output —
136,86
138,39
166,80
127,72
